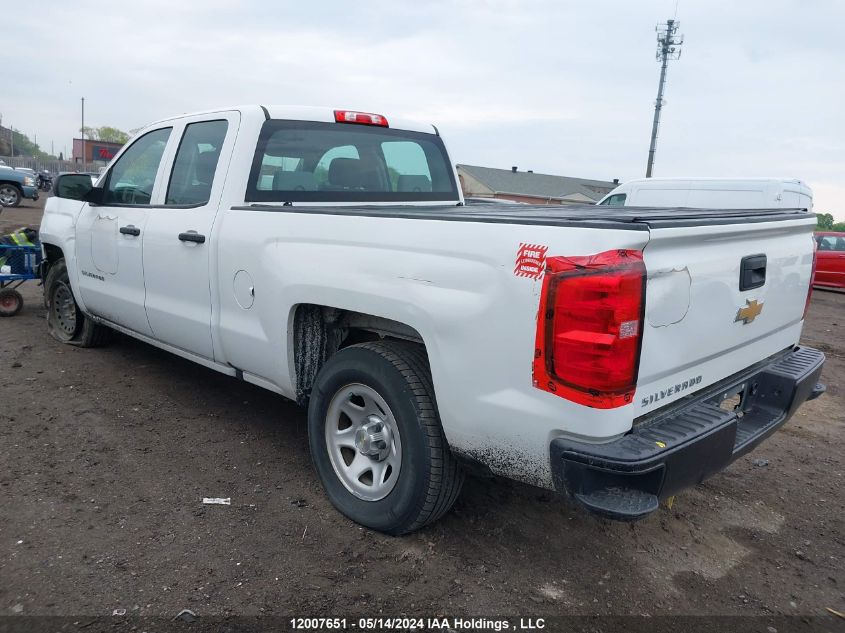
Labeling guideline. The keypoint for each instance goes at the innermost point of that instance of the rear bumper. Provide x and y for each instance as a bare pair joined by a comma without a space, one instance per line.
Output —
686,442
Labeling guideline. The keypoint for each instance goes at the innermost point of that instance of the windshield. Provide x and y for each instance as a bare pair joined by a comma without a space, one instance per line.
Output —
299,161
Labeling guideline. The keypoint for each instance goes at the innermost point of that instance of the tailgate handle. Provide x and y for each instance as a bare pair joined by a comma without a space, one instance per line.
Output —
752,272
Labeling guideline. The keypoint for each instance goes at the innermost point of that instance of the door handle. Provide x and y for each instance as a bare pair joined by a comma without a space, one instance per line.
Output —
130,230
192,236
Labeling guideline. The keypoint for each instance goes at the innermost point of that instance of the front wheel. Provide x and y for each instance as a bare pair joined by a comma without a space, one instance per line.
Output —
376,439
65,321
10,196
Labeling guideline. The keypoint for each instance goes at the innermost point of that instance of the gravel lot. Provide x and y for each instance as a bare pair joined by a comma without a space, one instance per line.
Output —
107,453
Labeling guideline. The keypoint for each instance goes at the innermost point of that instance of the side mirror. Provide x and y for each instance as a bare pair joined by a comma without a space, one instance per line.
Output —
73,186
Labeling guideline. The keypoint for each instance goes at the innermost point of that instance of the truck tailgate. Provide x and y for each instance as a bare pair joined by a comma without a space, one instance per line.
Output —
719,298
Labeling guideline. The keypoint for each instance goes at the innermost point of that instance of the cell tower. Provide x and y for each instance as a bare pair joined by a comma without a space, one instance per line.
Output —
668,48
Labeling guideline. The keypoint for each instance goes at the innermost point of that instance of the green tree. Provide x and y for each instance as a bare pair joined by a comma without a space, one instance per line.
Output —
112,135
824,221
23,146
106,133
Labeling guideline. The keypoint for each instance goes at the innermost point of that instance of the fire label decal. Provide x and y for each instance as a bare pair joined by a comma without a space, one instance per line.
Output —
530,260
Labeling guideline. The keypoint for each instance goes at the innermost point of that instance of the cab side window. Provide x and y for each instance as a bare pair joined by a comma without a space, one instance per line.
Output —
825,243
132,178
195,164
831,243
616,200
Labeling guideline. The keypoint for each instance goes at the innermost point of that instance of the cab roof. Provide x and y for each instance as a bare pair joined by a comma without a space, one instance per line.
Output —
310,113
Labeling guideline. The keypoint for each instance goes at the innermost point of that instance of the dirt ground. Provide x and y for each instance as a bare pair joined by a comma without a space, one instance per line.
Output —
105,455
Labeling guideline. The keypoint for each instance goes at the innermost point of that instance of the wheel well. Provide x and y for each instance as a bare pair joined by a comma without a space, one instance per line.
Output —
321,331
52,254
17,185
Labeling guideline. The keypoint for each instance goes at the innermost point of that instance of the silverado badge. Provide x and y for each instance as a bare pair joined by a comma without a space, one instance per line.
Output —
750,312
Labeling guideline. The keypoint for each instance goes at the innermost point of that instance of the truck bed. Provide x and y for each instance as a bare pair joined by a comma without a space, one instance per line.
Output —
585,216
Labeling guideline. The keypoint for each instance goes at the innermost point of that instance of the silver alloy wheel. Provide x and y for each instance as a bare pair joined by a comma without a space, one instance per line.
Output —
8,195
64,307
363,442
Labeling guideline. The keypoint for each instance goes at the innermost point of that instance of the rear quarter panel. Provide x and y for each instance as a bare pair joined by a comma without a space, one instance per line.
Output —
453,282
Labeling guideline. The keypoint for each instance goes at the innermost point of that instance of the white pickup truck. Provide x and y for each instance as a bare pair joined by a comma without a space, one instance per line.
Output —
617,355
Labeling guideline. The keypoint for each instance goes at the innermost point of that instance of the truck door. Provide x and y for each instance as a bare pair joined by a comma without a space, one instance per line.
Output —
109,234
178,236
830,262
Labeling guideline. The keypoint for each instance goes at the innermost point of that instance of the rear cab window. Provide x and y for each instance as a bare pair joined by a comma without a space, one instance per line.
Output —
303,161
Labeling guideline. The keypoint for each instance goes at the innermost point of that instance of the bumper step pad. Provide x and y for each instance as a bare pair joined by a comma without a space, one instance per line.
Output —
622,504
687,441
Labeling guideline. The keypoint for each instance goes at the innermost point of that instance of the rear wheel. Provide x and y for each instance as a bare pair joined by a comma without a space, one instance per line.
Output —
11,302
65,321
10,196
376,438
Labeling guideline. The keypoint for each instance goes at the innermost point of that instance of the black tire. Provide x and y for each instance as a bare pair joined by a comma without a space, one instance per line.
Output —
430,477
65,321
11,302
11,194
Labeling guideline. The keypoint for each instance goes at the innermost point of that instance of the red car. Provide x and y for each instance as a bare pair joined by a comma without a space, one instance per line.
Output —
830,262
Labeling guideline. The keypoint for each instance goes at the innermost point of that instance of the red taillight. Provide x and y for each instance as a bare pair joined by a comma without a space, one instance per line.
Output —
364,118
812,278
589,328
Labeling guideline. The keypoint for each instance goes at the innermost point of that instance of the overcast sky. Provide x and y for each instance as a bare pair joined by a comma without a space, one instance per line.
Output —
558,87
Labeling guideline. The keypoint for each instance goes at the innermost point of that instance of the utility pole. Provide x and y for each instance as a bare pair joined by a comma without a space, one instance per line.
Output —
82,129
668,48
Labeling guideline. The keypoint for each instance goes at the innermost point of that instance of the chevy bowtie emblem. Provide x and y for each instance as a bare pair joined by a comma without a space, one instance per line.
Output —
750,312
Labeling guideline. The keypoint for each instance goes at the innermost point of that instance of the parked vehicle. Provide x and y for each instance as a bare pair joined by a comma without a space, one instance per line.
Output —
16,185
830,262
44,180
327,256
714,193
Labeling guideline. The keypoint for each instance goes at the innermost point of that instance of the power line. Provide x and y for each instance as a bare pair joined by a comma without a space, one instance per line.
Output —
668,48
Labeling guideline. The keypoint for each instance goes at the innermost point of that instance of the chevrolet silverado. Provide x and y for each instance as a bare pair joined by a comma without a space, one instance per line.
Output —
614,354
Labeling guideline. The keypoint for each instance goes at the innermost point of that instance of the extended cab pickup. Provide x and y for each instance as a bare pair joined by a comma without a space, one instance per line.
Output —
617,355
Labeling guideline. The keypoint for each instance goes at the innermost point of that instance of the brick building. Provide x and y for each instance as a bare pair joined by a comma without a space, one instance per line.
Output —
95,151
